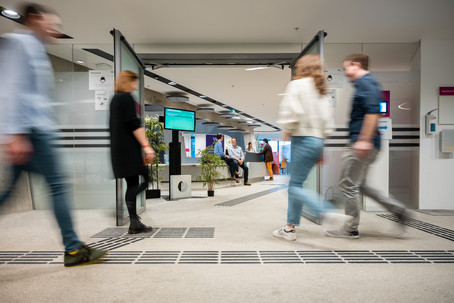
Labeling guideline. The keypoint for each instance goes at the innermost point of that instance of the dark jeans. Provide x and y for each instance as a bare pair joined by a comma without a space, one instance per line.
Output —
245,169
46,163
232,164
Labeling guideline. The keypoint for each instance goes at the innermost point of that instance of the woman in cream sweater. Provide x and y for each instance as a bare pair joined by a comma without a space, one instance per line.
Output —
306,115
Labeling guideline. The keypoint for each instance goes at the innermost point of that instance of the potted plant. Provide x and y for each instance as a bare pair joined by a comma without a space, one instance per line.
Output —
210,162
155,134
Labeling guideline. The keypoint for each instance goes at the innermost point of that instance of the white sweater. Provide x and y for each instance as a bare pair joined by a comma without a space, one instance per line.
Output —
304,112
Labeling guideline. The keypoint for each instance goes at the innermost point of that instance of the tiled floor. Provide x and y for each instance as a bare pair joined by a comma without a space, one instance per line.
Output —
221,249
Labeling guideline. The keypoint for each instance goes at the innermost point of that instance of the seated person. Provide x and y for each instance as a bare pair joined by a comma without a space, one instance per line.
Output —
233,165
236,153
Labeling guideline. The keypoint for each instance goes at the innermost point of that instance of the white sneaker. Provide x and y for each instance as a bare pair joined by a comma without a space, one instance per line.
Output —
335,219
287,235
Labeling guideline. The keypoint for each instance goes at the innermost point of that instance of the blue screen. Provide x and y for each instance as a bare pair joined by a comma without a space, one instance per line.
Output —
383,107
179,119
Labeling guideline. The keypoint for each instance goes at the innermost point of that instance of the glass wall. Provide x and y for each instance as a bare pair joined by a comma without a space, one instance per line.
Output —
84,138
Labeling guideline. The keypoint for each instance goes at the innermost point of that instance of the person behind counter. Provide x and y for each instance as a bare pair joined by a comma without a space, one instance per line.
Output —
250,148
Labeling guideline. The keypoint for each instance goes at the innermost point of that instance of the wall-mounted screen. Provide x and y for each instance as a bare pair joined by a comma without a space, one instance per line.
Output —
179,119
383,107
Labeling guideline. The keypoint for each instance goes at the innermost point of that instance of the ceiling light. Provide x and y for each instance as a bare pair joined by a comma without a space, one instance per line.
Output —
257,68
226,127
172,83
178,98
211,123
10,14
202,96
282,94
237,130
205,110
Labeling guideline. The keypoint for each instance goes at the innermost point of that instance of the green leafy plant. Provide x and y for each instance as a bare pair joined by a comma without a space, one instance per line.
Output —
155,134
210,162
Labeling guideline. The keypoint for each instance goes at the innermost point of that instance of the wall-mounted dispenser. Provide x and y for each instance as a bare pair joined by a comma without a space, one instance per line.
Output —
431,123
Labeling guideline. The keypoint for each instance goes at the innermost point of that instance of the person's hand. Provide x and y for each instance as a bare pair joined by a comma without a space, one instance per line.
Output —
227,156
362,148
19,149
149,155
321,160
241,161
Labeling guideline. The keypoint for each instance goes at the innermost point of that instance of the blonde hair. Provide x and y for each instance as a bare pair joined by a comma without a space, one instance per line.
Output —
311,66
124,80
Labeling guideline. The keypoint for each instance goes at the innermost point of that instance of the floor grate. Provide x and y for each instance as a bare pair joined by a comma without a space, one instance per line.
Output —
435,230
165,232
251,196
243,257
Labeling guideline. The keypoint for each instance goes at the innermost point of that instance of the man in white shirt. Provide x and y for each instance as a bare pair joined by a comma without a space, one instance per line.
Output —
236,153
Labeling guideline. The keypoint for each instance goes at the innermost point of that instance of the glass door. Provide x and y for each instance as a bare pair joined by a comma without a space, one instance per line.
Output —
125,58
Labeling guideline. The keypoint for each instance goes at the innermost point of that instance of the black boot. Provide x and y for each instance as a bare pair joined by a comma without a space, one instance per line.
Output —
135,226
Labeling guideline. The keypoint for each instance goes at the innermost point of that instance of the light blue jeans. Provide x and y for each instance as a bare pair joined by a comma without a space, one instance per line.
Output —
305,152
45,162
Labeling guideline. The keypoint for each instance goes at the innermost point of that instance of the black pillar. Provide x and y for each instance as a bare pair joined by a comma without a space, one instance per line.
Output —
175,154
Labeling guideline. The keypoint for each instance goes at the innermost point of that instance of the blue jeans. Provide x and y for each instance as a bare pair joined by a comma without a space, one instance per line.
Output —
305,152
45,162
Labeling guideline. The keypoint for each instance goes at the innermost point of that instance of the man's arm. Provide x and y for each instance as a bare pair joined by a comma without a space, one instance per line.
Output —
364,143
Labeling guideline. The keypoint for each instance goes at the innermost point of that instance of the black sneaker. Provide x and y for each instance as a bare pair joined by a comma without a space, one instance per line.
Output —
341,233
84,255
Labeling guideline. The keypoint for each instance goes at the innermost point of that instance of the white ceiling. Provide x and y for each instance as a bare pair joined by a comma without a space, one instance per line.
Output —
388,30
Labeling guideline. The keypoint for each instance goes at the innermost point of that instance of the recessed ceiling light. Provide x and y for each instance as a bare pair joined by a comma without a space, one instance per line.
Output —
257,68
8,13
80,62
282,94
172,83
202,96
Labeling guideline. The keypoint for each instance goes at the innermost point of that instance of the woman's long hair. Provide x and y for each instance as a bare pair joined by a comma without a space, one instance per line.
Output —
123,81
311,66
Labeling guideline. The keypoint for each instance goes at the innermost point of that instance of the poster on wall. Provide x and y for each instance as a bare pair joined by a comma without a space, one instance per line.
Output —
100,80
210,139
102,100
334,77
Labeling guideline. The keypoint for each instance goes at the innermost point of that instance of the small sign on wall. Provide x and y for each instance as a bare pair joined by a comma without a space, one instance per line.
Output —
100,80
102,100
446,105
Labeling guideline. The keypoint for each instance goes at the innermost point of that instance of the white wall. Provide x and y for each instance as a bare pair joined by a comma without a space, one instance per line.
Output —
436,177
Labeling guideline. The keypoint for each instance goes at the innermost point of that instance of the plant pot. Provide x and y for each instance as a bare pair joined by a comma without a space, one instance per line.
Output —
211,193
153,193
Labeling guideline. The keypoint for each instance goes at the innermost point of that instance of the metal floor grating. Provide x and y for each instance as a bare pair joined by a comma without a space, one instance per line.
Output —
251,196
165,232
435,230
244,257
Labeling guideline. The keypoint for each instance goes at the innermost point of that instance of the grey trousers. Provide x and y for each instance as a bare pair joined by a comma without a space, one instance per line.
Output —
353,182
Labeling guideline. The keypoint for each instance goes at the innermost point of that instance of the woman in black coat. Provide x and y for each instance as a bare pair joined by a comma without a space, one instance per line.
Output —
128,140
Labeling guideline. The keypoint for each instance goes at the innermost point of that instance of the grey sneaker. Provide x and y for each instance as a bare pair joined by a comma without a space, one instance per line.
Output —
84,255
341,233
287,235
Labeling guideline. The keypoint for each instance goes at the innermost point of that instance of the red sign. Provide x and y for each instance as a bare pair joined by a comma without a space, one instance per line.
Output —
447,91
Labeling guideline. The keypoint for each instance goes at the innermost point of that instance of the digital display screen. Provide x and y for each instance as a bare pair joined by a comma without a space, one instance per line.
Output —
179,119
383,107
